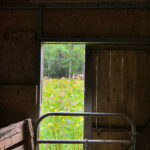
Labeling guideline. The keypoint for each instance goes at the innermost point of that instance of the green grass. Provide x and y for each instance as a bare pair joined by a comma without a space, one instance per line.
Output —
62,95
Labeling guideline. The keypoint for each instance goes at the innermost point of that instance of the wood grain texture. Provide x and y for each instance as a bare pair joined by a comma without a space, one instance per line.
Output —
17,136
94,91
122,77
18,20
142,99
144,136
29,135
17,103
89,89
123,80
110,135
11,130
18,65
20,93
103,98
11,141
103,23
73,1
115,85
18,58
129,77
22,147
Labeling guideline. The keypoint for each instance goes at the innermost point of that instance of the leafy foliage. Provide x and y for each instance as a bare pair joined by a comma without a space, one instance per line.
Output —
62,95
58,58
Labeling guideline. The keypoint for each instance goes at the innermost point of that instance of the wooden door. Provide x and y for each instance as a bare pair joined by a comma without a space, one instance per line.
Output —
116,80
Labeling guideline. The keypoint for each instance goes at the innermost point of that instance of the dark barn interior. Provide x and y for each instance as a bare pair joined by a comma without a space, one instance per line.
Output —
117,69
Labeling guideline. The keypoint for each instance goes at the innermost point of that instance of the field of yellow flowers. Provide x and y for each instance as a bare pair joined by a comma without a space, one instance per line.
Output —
62,95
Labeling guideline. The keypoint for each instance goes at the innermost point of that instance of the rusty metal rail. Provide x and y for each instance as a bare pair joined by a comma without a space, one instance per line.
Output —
131,142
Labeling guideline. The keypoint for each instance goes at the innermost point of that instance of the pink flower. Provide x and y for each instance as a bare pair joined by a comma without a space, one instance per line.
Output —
52,97
73,77
62,94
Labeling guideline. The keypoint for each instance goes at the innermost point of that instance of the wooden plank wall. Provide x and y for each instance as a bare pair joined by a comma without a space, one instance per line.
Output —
18,65
96,23
17,102
19,57
122,86
18,136
73,1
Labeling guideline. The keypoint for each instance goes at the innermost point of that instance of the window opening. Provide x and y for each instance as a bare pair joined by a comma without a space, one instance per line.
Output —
63,91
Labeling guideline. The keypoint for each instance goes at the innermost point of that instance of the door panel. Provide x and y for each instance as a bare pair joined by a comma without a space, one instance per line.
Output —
119,81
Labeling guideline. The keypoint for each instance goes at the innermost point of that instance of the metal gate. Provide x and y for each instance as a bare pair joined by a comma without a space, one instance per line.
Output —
131,142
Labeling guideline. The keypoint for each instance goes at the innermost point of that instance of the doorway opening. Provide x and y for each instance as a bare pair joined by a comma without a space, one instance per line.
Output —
62,91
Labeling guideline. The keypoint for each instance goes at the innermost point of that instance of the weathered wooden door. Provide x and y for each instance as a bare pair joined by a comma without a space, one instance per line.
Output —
117,79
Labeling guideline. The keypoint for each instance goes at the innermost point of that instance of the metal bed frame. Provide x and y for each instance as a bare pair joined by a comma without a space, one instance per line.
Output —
131,142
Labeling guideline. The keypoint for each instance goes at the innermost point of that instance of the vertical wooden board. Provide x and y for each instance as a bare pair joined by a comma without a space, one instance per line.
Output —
142,104
103,85
89,90
94,136
29,135
115,85
129,77
94,91
143,139
110,135
94,109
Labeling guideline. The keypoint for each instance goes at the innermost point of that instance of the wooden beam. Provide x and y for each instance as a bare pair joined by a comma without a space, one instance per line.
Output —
19,135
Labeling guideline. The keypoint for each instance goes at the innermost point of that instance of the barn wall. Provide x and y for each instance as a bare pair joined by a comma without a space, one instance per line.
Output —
96,23
74,1
19,61
121,85
19,55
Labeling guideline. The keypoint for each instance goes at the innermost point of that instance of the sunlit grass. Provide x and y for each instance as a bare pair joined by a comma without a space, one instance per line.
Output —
62,95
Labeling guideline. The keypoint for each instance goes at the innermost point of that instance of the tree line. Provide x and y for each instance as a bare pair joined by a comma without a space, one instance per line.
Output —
63,60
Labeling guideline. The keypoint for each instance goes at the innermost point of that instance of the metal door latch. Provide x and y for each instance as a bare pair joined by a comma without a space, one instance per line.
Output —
86,144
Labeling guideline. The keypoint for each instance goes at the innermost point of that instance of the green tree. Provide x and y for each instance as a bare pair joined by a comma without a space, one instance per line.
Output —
63,60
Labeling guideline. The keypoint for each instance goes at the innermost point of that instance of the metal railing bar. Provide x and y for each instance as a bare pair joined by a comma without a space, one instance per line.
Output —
132,142
89,114
46,141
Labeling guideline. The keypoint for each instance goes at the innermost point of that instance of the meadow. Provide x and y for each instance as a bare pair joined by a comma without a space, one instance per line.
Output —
62,95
